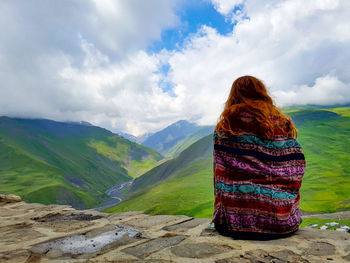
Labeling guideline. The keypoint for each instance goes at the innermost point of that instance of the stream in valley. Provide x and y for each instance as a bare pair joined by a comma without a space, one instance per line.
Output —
114,194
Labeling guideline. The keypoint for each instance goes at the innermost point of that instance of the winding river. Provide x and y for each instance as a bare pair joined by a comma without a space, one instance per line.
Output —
114,194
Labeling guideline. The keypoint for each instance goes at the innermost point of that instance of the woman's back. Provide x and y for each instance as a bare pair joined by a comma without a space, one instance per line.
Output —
257,179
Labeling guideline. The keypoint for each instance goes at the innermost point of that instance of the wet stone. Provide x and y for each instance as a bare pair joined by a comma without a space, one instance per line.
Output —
97,231
198,250
320,249
145,249
80,244
184,226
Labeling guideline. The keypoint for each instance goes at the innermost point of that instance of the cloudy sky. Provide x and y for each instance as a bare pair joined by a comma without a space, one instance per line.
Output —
137,66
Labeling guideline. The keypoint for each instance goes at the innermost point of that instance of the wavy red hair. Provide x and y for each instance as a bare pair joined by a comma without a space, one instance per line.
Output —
250,109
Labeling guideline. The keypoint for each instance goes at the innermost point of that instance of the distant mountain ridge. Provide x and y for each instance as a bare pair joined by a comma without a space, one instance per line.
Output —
66,162
165,139
189,140
173,139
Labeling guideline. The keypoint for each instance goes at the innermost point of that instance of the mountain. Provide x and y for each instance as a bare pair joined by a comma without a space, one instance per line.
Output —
165,139
188,140
66,163
128,136
325,137
184,185
137,139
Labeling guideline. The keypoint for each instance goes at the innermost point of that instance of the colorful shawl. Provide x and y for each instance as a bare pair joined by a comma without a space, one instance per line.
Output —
257,183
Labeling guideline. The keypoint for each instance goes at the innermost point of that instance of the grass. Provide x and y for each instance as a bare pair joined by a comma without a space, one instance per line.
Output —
182,186
185,193
74,164
61,194
134,162
51,162
135,169
343,111
326,146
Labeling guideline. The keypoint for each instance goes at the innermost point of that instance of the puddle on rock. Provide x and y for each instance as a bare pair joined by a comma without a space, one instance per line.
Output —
80,244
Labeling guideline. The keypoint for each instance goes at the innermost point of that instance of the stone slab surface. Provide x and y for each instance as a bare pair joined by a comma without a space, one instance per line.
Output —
24,228
157,221
198,250
145,249
186,225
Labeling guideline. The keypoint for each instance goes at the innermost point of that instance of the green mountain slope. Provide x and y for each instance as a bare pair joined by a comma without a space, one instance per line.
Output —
66,163
184,185
325,137
189,140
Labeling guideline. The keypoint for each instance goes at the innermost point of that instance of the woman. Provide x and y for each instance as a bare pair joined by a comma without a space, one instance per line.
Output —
258,166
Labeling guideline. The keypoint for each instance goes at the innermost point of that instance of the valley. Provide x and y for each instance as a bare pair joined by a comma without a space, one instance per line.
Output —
66,163
184,185
114,193
87,166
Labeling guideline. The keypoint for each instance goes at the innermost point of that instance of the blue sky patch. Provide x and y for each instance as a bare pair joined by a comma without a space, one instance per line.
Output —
193,15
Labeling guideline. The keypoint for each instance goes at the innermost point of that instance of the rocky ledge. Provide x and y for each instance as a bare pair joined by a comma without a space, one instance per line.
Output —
56,233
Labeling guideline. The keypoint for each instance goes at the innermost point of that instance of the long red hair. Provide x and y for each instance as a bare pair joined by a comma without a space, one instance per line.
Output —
250,109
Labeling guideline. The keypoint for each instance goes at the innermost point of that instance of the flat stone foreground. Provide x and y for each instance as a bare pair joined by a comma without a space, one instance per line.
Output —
54,233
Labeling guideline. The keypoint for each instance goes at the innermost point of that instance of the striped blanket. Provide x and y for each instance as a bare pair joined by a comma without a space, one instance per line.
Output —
257,183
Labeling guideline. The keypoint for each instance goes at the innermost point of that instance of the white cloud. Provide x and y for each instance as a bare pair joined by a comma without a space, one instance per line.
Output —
86,60
297,48
122,25
83,60
326,90
225,7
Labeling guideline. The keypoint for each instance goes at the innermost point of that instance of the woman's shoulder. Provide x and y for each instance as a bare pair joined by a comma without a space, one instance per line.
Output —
278,141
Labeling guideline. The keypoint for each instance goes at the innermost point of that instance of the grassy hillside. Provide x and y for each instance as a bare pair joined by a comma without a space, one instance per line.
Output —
325,137
184,185
189,140
66,163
